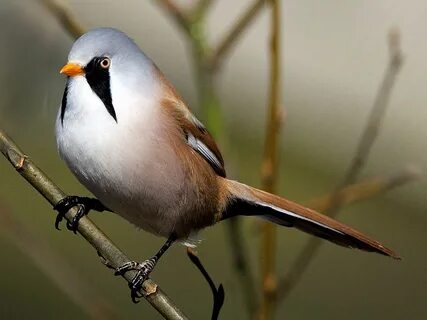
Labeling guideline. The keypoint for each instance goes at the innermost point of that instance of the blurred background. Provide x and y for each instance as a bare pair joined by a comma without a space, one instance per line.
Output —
335,54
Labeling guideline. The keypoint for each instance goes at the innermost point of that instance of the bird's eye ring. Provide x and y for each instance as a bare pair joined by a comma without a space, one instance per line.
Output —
105,63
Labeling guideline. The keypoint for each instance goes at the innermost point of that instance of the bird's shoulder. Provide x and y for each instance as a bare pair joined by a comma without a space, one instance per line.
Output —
192,130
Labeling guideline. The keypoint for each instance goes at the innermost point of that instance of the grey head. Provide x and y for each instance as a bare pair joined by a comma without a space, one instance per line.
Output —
108,57
102,42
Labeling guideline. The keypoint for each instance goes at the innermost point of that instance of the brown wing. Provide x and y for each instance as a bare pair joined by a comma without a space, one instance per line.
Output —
201,141
193,131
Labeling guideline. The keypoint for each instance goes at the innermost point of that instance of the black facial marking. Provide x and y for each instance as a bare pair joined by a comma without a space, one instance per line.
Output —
64,101
98,78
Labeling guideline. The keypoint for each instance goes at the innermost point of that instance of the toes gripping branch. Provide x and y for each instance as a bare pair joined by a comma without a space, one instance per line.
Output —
84,205
143,270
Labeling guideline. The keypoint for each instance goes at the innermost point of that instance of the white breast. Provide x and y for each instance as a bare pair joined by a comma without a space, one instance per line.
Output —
128,165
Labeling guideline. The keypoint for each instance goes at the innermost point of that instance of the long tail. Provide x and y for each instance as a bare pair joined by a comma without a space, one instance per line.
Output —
248,201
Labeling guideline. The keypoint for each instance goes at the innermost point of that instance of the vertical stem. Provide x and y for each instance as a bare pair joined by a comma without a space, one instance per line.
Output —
269,168
209,102
205,79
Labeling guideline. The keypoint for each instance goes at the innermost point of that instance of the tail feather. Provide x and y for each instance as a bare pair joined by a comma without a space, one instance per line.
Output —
248,201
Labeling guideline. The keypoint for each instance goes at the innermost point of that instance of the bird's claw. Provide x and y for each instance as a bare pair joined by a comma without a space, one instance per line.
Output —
66,204
143,271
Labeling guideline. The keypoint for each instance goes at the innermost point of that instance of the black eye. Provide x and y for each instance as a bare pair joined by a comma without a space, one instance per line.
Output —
105,63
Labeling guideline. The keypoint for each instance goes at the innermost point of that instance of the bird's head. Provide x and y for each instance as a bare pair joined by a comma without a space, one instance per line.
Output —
112,64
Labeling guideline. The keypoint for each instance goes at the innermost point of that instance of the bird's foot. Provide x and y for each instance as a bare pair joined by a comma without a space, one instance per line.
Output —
65,204
143,271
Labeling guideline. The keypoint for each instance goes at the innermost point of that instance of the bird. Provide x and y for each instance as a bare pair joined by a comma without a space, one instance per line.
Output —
128,136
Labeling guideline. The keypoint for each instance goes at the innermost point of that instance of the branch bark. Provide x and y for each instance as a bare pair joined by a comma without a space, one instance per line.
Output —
113,256
270,168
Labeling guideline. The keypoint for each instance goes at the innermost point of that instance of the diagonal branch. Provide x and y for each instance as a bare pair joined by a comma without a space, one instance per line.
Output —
112,255
223,48
379,108
350,194
366,189
64,16
182,19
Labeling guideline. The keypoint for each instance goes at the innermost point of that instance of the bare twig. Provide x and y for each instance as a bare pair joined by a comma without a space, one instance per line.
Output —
270,168
366,189
350,194
105,248
63,14
361,155
182,19
379,108
55,268
223,48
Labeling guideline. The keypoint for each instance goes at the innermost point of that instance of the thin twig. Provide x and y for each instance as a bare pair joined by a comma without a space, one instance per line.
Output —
359,160
350,194
55,268
182,19
63,14
379,108
223,48
270,167
366,189
113,256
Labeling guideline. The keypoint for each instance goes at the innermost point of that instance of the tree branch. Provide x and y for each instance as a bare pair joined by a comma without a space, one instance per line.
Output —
270,167
223,48
64,16
182,19
350,194
366,189
378,110
105,248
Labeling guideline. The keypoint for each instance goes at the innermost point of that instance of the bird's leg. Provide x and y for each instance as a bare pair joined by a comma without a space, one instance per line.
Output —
143,269
84,205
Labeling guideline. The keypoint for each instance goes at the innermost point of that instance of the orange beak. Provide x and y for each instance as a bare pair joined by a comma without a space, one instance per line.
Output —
72,70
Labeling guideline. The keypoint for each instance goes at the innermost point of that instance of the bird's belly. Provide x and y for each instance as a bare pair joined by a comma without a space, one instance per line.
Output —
140,179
